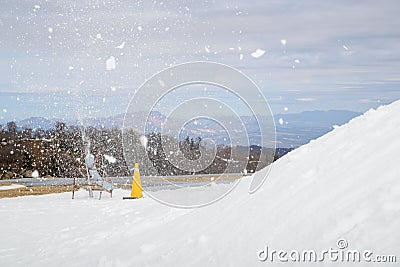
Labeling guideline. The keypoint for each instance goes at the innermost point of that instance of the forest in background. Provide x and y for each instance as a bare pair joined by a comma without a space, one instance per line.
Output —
59,152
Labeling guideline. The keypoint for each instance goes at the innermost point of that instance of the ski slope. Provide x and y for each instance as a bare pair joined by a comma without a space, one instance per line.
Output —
344,185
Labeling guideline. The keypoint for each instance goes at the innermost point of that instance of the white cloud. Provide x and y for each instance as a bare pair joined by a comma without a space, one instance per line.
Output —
306,99
366,100
154,36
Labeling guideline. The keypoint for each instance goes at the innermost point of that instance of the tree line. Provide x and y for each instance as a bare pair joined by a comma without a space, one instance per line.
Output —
59,152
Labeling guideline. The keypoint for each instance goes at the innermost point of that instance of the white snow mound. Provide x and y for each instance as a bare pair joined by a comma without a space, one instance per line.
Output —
11,186
345,184
35,174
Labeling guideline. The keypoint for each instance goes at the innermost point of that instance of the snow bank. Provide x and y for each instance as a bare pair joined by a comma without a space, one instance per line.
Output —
11,186
344,185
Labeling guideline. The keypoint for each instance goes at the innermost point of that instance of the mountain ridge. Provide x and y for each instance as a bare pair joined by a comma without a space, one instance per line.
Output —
292,129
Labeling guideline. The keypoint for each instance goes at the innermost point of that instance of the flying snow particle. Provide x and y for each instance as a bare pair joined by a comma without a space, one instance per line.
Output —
70,68
143,140
113,88
283,42
36,7
110,159
258,53
104,100
35,174
207,48
50,29
285,108
297,61
5,110
280,121
121,46
167,29
140,28
345,48
12,152
110,63
241,57
98,36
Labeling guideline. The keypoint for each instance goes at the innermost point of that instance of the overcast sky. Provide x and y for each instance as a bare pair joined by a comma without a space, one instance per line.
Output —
318,54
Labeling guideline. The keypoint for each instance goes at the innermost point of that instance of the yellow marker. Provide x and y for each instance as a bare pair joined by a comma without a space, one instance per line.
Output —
136,184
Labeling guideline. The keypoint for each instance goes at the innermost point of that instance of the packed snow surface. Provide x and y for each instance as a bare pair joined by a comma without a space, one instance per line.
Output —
342,186
11,186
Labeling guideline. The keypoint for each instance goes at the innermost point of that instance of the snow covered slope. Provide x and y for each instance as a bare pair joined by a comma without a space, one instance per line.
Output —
345,185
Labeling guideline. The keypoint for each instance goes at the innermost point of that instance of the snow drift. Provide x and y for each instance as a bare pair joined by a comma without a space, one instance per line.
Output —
344,185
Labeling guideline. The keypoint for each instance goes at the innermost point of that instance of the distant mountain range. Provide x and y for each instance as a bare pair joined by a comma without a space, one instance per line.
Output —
292,130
